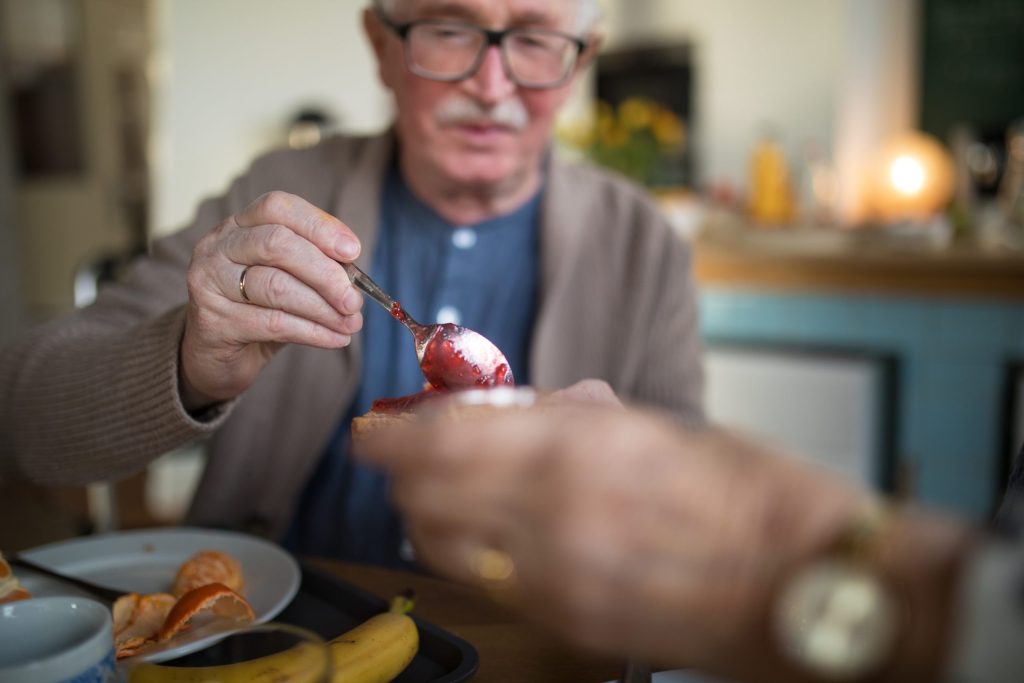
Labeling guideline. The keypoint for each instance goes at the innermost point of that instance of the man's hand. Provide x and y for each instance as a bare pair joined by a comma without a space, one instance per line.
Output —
295,292
595,391
626,533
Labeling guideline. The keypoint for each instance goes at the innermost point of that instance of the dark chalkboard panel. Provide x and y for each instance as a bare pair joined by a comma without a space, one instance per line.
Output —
972,65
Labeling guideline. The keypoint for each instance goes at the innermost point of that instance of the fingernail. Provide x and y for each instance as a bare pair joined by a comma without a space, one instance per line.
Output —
348,248
352,300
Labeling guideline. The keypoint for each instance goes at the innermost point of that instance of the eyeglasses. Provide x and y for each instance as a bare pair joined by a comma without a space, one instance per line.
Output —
444,50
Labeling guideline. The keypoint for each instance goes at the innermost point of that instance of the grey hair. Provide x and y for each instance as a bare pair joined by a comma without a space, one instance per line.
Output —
587,12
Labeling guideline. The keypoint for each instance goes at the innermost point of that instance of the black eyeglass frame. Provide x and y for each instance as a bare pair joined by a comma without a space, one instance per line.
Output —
492,38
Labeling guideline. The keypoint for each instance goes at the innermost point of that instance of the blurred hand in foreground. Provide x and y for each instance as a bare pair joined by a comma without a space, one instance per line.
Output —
626,533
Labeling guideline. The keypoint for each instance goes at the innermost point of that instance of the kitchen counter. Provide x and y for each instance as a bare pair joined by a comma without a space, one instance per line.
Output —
855,261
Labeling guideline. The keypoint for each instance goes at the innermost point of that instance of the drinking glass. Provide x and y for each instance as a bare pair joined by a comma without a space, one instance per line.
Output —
261,652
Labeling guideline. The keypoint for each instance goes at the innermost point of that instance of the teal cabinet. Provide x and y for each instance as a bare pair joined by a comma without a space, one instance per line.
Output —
954,359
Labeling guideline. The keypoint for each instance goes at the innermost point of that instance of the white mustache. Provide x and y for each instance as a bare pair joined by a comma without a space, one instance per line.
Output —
510,113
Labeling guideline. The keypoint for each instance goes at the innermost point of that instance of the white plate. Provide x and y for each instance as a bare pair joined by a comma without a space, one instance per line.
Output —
146,561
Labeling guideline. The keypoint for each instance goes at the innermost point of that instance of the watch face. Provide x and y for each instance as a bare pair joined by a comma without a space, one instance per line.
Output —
836,618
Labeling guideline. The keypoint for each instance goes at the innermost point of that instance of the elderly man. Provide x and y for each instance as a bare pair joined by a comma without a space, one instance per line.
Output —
239,329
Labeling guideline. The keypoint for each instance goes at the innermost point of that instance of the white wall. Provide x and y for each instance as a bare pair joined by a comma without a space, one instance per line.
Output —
229,74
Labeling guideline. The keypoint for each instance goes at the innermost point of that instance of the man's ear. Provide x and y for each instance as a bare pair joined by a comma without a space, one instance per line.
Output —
376,33
594,42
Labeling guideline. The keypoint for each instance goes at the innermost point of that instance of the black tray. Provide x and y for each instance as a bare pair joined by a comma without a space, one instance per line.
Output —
330,606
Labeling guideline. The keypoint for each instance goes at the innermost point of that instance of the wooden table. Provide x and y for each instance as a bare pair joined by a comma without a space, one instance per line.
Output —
511,649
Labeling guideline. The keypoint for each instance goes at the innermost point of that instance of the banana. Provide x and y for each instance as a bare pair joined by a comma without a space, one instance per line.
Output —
378,649
303,663
375,651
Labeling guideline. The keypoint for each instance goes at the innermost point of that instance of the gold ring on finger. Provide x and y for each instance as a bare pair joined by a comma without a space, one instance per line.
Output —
495,568
241,284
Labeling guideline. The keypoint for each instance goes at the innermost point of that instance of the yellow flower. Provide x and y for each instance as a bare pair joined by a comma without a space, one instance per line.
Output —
636,112
668,129
611,134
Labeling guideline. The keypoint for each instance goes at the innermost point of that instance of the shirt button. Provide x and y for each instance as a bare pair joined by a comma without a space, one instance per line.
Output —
448,314
406,551
464,238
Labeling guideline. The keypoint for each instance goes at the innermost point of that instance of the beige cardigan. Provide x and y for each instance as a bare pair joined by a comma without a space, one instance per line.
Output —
94,395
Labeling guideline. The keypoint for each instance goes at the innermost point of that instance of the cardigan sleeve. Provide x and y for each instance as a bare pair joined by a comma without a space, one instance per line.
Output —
989,629
990,612
94,394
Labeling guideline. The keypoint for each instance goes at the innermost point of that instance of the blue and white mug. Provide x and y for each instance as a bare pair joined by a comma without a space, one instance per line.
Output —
56,640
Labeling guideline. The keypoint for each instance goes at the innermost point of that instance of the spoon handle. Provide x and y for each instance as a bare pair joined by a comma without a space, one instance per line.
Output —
373,290
108,595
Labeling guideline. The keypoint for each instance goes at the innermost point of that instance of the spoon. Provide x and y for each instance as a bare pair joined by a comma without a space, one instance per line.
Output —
451,357
103,593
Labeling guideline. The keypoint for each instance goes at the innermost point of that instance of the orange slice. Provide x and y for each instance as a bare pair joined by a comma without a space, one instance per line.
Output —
214,598
10,588
206,567
137,621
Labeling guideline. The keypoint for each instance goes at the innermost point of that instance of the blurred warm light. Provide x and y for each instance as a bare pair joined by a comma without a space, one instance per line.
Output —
907,175
913,179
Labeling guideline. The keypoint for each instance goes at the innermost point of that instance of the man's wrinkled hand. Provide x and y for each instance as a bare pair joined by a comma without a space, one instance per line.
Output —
295,292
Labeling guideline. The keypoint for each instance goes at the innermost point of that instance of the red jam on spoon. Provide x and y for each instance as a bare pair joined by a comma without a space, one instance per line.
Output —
451,357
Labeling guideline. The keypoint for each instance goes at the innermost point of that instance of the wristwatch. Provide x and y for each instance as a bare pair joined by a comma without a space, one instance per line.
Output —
837,616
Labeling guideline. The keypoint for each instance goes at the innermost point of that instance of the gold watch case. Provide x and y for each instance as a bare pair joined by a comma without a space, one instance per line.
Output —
837,616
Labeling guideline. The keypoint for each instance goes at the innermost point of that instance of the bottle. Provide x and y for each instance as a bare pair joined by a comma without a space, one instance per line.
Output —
816,203
771,192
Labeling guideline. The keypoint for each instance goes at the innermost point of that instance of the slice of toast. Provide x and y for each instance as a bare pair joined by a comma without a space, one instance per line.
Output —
391,413
370,422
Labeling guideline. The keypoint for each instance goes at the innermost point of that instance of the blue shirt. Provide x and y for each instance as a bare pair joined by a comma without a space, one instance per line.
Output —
482,276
